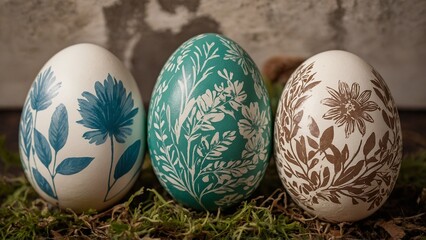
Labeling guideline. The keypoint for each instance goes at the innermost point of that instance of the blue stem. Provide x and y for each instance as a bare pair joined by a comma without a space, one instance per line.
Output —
33,150
110,168
53,174
121,190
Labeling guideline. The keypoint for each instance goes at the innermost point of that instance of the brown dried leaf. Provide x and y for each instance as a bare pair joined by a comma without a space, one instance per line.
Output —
327,138
395,231
56,235
313,128
369,144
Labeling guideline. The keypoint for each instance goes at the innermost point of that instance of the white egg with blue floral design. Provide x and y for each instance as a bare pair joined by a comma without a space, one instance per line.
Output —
82,129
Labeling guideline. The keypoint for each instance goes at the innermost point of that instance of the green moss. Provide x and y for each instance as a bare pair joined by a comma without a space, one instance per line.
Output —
274,91
23,215
149,211
413,170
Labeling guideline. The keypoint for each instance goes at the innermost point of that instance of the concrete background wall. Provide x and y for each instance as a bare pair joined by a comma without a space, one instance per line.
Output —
390,35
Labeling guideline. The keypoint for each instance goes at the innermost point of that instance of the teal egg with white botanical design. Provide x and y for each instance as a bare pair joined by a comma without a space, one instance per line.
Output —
82,129
209,124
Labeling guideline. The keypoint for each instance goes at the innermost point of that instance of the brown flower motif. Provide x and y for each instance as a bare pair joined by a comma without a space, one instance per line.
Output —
349,107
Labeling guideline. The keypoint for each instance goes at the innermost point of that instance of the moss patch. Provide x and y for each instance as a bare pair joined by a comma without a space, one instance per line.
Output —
149,212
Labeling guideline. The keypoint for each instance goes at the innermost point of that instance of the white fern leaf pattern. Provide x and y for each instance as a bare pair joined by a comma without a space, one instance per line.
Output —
209,135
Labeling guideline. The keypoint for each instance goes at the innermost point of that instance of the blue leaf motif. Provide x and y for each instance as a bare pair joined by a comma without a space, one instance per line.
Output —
109,112
58,130
42,148
44,89
43,184
26,129
127,160
73,165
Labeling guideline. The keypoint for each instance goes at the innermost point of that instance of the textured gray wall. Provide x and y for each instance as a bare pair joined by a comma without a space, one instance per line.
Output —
391,35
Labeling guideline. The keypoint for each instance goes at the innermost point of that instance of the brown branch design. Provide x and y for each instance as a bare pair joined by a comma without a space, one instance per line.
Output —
324,171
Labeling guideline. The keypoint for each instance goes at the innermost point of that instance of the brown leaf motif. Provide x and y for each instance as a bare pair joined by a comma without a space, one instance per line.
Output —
365,171
313,128
327,138
369,145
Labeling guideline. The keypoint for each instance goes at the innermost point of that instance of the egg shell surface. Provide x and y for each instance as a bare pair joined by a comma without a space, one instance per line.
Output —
338,142
82,129
209,124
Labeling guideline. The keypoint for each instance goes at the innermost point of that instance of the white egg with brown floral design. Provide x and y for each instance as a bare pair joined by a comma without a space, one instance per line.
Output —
338,143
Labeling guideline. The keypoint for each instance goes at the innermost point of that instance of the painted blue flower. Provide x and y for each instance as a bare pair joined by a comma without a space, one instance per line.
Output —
44,90
109,112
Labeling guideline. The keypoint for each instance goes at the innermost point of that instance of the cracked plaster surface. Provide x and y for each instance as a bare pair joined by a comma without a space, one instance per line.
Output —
390,35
